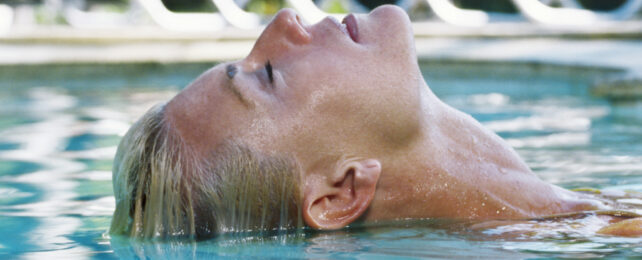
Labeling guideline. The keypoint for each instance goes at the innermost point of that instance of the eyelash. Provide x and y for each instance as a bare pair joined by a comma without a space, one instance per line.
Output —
268,69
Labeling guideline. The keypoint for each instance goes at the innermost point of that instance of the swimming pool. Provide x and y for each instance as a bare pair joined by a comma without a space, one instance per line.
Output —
59,126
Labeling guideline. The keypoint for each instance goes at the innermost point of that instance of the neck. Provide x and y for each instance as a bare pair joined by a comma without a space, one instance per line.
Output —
458,169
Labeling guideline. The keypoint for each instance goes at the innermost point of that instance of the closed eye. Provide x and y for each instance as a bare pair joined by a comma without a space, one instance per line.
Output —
268,69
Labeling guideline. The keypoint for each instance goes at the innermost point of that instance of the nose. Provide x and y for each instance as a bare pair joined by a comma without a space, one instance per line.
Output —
288,23
284,32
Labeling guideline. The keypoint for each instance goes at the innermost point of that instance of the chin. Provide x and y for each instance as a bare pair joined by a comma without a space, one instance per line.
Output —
394,17
393,29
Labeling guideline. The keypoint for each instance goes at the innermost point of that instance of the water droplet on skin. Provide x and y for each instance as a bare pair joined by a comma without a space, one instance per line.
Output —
483,204
503,208
498,212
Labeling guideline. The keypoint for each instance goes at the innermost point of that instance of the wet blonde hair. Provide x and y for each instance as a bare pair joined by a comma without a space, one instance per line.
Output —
162,190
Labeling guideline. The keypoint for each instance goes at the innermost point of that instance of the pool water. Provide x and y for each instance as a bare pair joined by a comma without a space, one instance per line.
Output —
59,127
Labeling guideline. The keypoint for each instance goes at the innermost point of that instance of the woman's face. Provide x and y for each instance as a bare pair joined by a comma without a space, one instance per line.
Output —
310,91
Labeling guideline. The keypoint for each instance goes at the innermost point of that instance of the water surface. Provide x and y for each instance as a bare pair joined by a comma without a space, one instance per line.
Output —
59,127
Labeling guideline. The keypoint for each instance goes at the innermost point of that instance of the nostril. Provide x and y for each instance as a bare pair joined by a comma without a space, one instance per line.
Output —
298,20
289,24
298,31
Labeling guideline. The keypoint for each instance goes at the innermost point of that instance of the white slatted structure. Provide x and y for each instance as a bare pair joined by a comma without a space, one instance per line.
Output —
94,19
448,12
236,16
538,12
188,22
6,19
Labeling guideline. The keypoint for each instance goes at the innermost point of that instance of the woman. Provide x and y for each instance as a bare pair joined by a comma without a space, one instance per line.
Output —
324,124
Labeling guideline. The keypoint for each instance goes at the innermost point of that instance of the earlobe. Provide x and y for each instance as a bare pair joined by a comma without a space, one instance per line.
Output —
332,203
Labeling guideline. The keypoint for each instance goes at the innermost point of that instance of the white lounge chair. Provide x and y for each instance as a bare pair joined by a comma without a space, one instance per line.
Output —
93,19
310,12
236,16
6,19
448,12
538,12
187,22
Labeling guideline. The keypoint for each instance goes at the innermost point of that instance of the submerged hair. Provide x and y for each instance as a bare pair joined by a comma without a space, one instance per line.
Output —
164,190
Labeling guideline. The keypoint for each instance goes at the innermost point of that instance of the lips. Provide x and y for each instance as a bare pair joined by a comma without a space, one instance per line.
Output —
352,27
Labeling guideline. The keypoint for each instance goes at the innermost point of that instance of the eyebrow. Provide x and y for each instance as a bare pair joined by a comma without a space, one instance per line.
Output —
230,71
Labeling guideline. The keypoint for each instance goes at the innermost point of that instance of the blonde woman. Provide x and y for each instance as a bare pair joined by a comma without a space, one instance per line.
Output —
320,125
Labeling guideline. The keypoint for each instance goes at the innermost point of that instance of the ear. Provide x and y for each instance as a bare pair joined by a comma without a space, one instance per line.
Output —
336,201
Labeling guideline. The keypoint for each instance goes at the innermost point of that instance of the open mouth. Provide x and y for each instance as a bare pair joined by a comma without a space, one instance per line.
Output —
351,26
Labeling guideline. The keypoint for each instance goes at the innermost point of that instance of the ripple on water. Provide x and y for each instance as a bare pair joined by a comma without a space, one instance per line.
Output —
94,188
637,187
562,249
6,146
591,247
91,234
17,193
16,234
563,238
13,168
84,142
377,243
8,121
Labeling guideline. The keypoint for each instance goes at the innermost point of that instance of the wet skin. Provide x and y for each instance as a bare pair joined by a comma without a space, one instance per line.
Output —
371,140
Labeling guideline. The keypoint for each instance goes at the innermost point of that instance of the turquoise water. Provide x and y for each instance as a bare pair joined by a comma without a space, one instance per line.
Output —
59,127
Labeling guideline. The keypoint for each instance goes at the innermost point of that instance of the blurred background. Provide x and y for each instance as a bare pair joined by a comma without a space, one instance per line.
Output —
559,80
68,23
50,12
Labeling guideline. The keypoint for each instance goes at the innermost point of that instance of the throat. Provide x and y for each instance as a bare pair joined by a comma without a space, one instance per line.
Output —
460,170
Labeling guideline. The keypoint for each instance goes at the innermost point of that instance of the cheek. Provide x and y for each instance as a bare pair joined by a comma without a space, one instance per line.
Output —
263,133
332,93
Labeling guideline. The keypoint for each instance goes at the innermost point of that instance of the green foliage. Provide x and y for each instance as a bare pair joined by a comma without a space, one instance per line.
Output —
267,7
372,4
501,6
189,5
335,6
601,4
506,6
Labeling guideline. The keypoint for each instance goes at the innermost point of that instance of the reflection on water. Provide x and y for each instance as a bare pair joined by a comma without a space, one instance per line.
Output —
57,174
58,138
366,243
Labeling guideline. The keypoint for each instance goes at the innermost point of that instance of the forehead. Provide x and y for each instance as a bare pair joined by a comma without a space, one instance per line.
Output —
195,112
